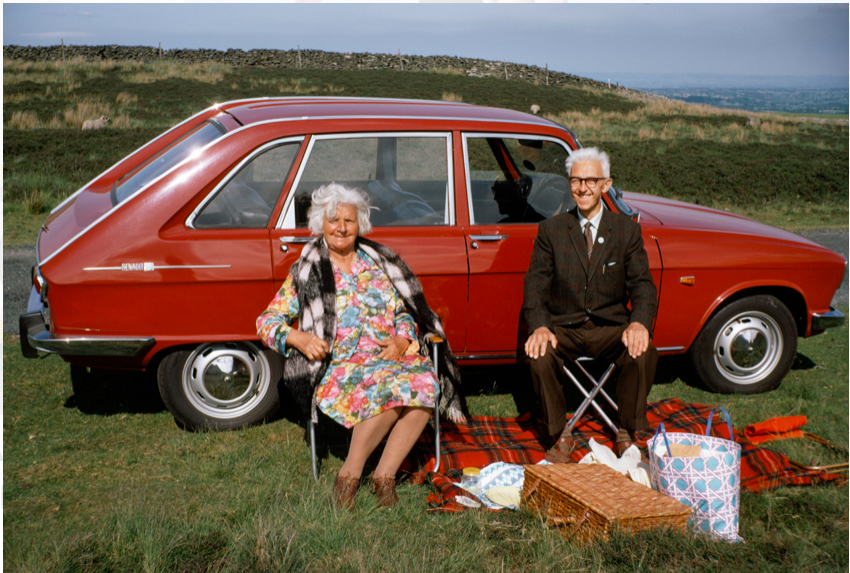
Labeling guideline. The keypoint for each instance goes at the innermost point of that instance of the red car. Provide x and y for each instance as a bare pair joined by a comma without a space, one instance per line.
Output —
165,260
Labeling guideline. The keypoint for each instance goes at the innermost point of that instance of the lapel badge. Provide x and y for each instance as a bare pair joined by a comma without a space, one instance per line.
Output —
601,240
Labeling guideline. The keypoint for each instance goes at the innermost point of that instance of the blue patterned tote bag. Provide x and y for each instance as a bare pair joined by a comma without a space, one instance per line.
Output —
709,483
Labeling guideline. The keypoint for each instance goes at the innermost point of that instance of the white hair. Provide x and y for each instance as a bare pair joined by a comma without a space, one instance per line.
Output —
590,154
328,198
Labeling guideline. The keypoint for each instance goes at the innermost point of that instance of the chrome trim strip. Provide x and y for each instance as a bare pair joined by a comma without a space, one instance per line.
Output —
319,99
297,240
82,345
465,136
670,348
157,267
486,357
365,135
190,220
829,319
488,237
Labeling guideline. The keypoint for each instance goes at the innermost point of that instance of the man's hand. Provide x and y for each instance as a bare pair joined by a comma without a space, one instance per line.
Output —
536,344
636,339
393,348
310,345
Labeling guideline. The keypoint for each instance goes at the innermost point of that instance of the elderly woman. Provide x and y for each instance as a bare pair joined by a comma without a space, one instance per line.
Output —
356,353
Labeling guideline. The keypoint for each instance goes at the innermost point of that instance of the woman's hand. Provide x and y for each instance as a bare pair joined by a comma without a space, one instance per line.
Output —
310,345
393,348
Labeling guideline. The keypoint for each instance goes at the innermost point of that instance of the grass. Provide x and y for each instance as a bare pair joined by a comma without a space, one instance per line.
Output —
97,477
783,170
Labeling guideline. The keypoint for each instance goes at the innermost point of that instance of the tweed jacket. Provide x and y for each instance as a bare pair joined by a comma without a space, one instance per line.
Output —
562,286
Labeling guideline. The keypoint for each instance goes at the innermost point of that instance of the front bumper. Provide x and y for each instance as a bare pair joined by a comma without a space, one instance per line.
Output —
825,320
35,337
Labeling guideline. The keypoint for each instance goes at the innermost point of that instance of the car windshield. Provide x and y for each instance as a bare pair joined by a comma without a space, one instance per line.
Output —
166,160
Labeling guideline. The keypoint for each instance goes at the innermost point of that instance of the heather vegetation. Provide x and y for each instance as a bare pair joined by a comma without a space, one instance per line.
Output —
97,477
786,171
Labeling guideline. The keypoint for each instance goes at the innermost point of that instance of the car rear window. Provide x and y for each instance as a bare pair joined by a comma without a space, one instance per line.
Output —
167,159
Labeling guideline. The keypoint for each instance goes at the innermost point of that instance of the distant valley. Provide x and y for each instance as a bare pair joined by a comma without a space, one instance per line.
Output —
789,100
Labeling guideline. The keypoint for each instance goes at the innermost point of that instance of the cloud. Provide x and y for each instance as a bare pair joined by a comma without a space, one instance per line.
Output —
55,35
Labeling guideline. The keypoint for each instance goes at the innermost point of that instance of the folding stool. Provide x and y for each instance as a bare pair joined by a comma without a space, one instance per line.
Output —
435,342
589,396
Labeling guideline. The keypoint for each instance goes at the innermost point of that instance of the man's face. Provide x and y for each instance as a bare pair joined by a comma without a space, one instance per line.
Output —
588,199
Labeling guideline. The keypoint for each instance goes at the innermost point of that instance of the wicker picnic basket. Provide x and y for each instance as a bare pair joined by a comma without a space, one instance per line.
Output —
586,501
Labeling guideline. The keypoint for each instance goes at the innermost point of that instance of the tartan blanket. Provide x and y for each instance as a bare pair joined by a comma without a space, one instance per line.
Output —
484,440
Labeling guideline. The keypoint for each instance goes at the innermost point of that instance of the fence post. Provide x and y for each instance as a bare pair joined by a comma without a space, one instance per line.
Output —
506,70
400,61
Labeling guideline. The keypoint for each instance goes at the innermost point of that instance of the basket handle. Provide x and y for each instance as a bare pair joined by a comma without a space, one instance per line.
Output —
661,429
728,422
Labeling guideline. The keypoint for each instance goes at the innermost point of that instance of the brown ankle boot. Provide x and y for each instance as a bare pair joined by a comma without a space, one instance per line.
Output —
345,490
384,490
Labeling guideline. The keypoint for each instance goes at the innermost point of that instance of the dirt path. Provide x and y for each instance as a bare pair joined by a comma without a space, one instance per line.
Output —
18,260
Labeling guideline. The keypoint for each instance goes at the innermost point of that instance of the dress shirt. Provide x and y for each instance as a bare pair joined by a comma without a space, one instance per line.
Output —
594,222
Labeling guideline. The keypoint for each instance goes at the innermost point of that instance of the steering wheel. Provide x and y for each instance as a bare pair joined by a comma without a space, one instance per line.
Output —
552,194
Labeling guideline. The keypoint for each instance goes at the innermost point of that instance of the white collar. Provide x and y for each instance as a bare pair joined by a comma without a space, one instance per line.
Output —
594,221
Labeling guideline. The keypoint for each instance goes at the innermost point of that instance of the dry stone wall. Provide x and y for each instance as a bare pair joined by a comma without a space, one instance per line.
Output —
308,59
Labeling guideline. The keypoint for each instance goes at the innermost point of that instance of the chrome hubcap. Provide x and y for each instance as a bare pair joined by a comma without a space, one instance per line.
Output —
226,379
748,347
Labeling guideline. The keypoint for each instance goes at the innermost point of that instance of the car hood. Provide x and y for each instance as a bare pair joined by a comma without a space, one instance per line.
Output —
680,215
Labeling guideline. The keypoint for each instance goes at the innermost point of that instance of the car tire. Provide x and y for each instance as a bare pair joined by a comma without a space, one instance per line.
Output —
220,385
747,347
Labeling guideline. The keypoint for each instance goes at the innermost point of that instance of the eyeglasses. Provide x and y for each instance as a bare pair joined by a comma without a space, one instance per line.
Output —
592,182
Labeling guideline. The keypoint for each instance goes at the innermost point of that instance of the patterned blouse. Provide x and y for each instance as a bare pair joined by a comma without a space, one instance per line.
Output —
358,385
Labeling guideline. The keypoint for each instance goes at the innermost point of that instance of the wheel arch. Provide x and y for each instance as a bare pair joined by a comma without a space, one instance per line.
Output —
792,298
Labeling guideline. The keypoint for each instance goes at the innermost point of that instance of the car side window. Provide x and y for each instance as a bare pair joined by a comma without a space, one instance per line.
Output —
249,197
406,178
514,180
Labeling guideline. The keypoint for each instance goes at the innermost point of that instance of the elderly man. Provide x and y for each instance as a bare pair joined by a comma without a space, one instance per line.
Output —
586,266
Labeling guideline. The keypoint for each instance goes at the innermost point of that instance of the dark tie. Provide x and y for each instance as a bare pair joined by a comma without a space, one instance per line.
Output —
588,238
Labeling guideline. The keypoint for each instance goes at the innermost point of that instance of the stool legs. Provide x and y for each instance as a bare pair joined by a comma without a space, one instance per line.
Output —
589,397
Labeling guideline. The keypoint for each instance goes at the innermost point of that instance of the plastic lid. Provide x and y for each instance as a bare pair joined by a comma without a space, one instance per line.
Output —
471,471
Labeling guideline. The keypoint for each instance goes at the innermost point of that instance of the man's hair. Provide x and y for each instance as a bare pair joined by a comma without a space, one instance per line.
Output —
590,154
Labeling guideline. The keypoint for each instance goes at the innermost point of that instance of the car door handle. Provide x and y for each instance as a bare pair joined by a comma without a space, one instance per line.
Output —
295,241
488,237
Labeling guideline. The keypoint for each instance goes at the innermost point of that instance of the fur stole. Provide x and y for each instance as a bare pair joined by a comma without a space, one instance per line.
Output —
314,282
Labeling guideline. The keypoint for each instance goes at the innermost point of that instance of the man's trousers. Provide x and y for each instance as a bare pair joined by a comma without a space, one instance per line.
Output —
605,344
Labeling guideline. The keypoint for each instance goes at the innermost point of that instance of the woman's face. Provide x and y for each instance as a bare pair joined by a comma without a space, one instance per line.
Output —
340,229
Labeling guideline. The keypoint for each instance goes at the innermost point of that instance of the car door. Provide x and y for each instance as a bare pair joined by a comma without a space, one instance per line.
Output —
513,182
409,180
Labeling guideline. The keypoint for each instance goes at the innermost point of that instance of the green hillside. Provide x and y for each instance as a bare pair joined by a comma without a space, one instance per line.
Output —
786,171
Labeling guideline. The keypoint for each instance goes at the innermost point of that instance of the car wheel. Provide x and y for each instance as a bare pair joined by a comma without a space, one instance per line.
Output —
747,347
220,385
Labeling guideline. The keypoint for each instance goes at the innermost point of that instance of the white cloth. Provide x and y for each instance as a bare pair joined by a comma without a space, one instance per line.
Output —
628,465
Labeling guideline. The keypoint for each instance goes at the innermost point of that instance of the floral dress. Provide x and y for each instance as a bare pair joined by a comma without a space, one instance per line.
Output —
358,385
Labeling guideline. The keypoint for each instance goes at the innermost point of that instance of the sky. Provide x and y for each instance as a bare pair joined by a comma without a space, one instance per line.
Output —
593,40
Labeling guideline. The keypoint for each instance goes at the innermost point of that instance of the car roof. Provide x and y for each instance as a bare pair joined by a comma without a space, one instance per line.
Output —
269,109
